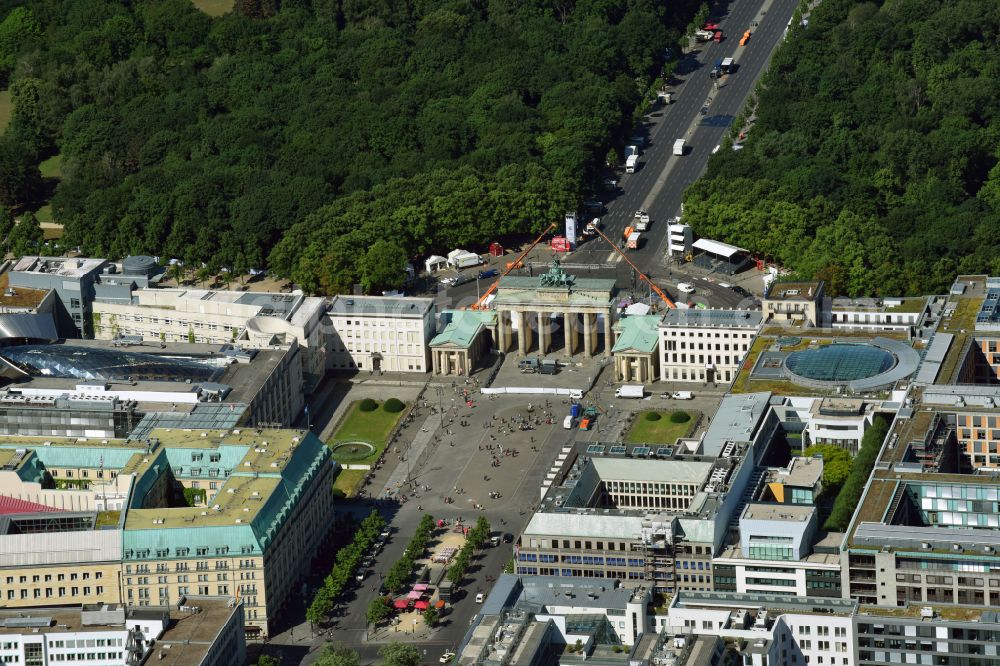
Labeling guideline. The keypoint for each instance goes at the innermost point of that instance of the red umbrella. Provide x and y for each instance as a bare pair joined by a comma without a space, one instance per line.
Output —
422,605
400,604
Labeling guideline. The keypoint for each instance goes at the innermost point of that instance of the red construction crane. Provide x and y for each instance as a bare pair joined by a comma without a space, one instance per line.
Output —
642,276
511,266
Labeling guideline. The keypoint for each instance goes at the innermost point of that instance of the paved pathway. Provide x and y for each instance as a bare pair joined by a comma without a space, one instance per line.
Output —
412,454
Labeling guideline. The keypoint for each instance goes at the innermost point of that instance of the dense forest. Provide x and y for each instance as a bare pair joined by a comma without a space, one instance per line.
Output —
334,139
873,161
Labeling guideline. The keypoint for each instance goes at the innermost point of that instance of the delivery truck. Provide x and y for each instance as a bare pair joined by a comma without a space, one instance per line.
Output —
630,391
634,240
631,163
679,147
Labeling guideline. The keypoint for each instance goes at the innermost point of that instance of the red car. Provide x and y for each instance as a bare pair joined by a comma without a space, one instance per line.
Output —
711,26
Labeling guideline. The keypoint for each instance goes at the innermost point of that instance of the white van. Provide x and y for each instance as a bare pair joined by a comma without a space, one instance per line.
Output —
480,597
568,422
679,147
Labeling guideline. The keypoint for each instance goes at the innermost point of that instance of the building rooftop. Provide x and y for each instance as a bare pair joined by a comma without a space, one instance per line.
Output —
800,472
778,512
638,333
74,268
19,297
189,635
463,326
582,525
735,552
736,420
380,306
628,469
792,291
692,317
913,305
772,602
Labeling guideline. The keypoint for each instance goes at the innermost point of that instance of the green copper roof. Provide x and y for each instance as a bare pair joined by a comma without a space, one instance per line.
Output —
639,333
463,328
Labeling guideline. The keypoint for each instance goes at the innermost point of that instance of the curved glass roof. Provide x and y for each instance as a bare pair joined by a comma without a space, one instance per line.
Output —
840,362
73,362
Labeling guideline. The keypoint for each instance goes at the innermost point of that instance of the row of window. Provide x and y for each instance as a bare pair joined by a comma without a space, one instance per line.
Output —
52,593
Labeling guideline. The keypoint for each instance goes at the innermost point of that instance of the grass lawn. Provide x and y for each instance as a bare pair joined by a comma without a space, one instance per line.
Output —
347,482
663,431
52,167
6,109
214,7
371,427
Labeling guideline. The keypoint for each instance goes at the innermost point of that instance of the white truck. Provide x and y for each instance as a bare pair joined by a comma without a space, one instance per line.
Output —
641,221
631,150
630,391
633,241
682,395
679,147
630,163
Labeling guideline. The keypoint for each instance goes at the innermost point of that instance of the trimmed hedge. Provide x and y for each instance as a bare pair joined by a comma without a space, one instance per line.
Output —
652,416
680,417
368,405
393,406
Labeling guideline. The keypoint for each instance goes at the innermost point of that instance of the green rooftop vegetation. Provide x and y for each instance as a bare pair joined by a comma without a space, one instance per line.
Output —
107,519
908,305
964,317
667,429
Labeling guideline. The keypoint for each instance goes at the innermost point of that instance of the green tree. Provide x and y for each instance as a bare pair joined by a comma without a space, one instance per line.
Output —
337,654
6,225
383,266
836,464
431,617
378,611
399,654
268,660
27,236
18,30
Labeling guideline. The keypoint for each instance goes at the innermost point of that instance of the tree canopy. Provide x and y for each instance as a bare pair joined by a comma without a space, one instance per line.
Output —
348,137
872,162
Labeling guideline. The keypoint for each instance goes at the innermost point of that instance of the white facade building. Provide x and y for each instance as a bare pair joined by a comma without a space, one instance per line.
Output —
379,333
792,632
877,314
113,634
705,345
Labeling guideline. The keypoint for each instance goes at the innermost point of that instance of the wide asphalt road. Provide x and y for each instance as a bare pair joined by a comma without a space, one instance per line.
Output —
659,184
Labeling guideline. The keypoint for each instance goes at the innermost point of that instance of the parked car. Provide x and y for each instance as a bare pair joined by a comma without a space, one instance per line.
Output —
361,575
480,597
447,657
508,537
488,274
685,288
741,291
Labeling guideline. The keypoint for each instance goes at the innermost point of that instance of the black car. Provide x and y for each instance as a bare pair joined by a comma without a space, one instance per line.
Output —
508,537
741,291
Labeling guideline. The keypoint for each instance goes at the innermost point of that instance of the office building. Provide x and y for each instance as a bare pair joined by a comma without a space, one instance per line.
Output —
763,630
379,333
705,345
224,384
896,315
73,282
203,631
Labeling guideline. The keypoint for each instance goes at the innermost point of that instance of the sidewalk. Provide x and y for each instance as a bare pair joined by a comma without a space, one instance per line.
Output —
411,454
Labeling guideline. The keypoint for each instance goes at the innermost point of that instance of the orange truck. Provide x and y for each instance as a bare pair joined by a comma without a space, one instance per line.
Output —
745,38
